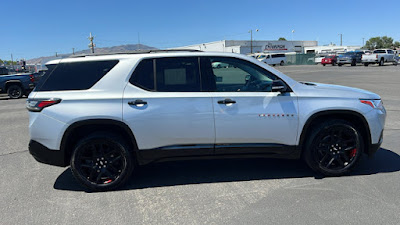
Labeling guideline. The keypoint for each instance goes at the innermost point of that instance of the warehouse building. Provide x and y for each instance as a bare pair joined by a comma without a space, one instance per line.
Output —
247,47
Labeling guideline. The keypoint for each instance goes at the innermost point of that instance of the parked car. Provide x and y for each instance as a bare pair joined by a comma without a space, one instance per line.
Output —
330,59
318,58
106,115
3,71
351,58
272,58
380,56
17,85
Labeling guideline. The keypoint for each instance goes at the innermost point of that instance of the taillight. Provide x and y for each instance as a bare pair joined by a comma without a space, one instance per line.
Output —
37,105
32,78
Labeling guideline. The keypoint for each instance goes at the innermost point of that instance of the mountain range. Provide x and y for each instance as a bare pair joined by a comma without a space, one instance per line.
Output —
119,48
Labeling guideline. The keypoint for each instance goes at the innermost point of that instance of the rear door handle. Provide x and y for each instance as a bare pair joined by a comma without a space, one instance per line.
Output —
227,101
137,102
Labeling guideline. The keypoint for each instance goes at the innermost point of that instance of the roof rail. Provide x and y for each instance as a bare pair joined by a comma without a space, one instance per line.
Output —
136,52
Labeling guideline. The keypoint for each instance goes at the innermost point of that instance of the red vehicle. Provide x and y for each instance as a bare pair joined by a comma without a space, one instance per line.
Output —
330,59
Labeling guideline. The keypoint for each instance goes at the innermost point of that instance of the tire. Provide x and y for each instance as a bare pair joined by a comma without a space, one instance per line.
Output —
102,162
273,64
282,63
353,63
15,91
366,64
323,64
340,64
333,148
382,62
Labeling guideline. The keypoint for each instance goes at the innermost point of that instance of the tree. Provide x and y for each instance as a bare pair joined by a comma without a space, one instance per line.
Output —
282,39
380,42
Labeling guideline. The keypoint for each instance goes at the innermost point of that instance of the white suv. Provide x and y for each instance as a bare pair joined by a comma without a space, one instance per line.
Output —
106,114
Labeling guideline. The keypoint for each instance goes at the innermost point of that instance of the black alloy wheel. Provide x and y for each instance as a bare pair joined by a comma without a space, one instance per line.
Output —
335,148
102,162
14,91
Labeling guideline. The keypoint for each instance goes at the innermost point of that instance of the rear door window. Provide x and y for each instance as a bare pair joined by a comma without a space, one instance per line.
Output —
178,74
75,76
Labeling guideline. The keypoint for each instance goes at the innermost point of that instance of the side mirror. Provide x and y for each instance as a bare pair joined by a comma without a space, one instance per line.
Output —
278,86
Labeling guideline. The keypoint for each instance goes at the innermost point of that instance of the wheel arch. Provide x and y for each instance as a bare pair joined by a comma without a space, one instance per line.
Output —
13,82
352,116
79,129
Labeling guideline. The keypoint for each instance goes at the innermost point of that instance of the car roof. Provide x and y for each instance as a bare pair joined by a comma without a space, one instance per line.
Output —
142,54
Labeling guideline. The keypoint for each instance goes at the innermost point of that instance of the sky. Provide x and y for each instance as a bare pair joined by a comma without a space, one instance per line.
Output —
41,28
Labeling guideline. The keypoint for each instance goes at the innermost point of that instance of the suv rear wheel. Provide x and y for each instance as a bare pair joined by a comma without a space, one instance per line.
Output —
14,91
333,148
102,162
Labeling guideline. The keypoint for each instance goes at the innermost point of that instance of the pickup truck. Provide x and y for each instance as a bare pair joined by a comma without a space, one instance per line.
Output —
17,85
380,56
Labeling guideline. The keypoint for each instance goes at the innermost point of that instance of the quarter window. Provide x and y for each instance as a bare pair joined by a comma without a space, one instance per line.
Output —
75,76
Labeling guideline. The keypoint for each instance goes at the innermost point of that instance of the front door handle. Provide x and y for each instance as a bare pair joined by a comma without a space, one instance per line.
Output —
138,102
227,101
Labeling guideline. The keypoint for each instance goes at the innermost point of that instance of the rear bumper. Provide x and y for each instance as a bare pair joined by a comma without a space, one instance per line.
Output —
47,156
370,61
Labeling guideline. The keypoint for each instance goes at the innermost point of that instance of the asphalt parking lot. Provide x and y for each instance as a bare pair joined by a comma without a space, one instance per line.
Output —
236,191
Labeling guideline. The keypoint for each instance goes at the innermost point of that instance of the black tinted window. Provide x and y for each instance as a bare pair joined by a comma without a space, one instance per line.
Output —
75,76
143,76
278,55
178,74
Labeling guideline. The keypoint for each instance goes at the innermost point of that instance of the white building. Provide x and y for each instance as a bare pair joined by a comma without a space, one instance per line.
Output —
246,47
330,49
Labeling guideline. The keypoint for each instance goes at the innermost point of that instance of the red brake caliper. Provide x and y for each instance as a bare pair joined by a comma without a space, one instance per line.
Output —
353,152
108,181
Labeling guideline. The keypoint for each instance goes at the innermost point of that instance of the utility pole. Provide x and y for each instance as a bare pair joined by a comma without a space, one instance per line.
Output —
251,40
12,61
341,42
138,38
73,51
91,45
363,42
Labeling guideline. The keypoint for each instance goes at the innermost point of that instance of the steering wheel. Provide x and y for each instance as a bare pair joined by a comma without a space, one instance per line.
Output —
255,85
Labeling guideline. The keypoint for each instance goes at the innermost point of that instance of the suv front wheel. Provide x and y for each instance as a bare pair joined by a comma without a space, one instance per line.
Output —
333,148
102,162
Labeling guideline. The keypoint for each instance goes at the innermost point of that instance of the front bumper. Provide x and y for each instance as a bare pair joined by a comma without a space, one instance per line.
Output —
374,147
44,155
